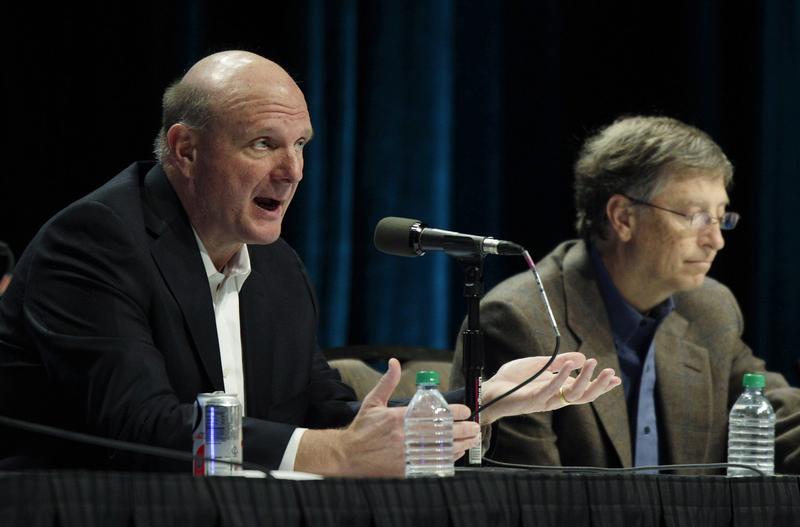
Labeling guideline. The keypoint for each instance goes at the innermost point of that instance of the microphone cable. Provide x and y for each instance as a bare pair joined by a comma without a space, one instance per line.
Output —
621,470
554,325
178,455
116,444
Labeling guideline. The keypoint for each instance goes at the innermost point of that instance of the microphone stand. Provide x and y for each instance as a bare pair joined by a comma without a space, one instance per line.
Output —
472,343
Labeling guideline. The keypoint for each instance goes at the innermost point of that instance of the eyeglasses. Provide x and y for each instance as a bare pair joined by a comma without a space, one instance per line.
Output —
698,220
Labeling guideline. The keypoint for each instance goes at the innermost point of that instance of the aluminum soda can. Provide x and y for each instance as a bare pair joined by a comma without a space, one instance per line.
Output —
217,434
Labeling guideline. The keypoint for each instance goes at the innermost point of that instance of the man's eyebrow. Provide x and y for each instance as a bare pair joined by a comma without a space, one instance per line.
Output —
691,202
271,132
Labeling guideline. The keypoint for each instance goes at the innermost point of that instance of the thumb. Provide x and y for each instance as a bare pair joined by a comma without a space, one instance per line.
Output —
379,396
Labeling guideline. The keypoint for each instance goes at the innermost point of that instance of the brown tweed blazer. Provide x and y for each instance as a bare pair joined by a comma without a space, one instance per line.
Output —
700,360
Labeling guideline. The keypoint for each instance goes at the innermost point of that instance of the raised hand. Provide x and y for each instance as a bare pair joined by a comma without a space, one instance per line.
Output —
373,444
553,389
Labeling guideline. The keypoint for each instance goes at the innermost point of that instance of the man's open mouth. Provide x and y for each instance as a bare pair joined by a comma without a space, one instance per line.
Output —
268,203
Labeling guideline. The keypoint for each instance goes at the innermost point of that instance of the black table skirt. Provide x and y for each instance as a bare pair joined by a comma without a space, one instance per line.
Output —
492,498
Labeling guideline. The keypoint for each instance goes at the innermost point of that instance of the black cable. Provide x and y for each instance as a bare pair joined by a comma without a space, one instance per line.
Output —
116,444
532,267
526,381
580,469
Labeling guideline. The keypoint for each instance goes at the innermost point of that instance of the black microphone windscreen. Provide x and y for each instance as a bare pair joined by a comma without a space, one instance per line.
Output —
393,236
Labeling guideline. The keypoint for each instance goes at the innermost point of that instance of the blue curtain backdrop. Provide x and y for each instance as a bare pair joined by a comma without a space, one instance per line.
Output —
465,114
383,116
404,169
325,211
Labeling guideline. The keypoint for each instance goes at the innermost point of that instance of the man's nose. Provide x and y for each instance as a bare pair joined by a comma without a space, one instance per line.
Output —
291,165
712,235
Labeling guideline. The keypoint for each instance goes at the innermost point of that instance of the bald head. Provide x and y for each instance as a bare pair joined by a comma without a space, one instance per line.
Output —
220,82
233,69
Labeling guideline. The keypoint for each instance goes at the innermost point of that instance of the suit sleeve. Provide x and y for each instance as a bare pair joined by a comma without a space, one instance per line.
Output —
509,334
331,400
85,313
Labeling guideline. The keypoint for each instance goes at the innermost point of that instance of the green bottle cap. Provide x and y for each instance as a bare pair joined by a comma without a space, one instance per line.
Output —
751,380
428,377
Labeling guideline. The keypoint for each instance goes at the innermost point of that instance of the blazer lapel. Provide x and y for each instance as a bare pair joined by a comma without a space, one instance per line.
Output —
587,319
683,386
177,257
258,359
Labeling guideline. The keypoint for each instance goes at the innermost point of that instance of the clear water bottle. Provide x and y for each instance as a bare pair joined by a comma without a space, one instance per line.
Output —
751,429
428,428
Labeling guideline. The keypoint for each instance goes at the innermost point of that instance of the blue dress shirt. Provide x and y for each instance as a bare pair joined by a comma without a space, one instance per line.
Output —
633,335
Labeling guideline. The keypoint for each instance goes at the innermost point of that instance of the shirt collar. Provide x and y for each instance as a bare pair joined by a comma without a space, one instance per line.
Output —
625,320
238,267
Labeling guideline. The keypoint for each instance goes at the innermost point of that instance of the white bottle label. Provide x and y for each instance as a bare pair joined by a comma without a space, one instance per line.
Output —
475,455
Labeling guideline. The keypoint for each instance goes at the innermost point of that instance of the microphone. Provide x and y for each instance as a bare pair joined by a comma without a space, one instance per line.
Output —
408,237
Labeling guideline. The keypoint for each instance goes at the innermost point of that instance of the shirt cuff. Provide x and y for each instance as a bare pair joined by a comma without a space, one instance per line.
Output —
289,455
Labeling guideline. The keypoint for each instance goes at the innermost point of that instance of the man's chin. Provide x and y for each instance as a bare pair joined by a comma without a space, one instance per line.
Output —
693,282
264,237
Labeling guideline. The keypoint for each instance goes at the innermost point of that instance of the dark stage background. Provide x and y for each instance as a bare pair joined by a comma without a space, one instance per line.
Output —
467,115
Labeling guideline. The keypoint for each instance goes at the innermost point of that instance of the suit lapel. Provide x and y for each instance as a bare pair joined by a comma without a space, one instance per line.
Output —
587,319
683,386
255,327
177,257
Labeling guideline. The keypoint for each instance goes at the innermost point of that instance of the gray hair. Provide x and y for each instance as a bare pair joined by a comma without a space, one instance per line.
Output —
185,103
632,156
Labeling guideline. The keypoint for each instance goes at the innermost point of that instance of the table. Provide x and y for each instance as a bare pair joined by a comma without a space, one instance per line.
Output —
489,497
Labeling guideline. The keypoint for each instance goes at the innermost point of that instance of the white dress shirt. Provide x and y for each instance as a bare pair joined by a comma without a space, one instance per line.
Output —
225,286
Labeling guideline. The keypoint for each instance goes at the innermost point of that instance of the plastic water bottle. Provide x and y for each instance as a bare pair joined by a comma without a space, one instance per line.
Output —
751,429
428,428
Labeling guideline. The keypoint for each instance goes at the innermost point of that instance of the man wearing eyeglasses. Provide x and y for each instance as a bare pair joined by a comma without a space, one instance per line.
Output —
651,200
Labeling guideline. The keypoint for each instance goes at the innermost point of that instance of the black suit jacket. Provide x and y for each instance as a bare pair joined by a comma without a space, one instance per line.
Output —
112,298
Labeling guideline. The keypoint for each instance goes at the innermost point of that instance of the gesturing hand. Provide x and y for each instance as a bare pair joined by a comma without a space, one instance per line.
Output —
543,394
374,441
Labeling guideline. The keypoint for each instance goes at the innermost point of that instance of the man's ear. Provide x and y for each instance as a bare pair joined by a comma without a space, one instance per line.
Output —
620,215
182,142
5,280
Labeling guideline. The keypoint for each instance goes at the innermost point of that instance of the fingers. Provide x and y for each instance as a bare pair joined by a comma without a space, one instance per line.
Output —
466,431
459,411
574,391
460,447
556,381
575,357
379,396
466,435
604,382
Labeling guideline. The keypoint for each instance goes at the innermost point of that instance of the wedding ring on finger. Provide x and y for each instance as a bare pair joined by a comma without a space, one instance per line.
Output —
562,397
